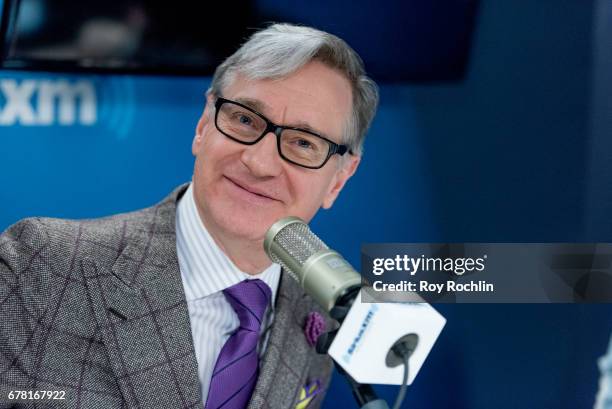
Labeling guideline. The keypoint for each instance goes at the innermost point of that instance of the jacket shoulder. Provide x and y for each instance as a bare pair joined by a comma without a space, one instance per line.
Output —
42,252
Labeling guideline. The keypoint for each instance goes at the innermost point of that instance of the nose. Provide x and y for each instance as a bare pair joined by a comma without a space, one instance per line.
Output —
262,159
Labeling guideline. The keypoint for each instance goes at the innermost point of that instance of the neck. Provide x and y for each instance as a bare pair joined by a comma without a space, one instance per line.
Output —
248,255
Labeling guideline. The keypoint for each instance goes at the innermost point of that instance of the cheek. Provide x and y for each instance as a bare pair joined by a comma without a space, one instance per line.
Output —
309,192
213,152
210,143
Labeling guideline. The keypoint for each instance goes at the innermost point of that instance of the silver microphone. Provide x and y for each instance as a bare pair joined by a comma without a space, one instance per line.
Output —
323,273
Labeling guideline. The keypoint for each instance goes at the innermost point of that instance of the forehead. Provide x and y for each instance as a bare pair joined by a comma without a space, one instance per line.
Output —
315,96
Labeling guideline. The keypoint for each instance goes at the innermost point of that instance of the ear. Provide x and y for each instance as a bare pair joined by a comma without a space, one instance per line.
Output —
342,175
203,122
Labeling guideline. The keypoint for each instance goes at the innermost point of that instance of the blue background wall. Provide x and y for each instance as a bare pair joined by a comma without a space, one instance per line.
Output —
506,155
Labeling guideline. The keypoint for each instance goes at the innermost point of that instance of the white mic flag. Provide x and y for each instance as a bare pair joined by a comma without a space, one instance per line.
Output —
369,330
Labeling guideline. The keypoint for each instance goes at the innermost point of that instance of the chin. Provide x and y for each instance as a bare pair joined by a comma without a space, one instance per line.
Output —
245,223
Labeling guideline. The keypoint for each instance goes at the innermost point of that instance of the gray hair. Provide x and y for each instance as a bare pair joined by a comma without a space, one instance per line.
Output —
282,49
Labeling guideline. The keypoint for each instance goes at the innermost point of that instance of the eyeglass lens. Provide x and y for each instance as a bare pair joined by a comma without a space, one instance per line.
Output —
297,146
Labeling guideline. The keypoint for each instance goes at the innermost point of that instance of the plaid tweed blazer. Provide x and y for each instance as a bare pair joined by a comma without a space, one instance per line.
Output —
96,308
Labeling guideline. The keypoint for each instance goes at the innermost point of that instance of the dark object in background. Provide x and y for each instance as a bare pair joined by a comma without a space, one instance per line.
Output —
136,36
409,40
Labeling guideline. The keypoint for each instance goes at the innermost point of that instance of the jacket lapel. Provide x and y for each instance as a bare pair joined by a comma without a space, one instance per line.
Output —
140,308
287,358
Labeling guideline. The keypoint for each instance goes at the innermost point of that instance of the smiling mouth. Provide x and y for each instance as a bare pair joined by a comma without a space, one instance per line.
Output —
248,190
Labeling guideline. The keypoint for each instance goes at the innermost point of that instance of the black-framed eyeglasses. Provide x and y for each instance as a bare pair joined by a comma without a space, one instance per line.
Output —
298,146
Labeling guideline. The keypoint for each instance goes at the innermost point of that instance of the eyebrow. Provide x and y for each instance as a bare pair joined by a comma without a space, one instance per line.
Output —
255,104
261,106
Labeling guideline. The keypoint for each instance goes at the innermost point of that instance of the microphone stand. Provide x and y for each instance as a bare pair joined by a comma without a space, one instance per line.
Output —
363,393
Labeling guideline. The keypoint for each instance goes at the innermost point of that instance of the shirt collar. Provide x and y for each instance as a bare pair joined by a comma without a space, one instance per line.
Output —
205,269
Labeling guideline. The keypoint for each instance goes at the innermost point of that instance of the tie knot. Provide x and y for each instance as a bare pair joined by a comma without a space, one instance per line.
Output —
249,299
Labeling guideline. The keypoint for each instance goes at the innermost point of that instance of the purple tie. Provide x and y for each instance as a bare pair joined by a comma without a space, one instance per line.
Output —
235,373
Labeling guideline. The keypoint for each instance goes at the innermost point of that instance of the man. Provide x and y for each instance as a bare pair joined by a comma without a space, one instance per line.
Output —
603,399
177,305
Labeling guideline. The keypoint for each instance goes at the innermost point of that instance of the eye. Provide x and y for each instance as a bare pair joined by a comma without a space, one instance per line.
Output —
304,144
245,120
301,142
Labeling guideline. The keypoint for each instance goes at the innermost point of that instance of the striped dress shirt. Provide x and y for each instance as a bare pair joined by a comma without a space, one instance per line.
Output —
206,271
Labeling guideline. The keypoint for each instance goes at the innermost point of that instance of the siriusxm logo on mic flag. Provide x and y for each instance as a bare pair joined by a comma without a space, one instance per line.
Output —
362,329
36,100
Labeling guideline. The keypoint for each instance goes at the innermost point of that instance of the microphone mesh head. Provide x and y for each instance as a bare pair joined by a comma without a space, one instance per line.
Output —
299,242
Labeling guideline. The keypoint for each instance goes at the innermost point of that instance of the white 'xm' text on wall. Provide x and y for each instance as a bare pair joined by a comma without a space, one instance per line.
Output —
47,102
